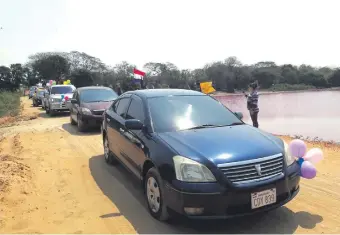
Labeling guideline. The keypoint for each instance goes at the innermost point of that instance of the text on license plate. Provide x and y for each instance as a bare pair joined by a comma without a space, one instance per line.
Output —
263,198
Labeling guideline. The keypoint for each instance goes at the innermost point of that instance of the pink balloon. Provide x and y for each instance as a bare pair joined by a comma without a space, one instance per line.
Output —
66,98
314,155
308,171
297,148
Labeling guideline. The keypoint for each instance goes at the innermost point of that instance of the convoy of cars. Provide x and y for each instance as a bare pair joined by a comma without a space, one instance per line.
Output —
192,155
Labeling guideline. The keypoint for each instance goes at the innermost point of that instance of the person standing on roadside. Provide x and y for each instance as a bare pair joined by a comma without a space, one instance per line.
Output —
252,103
119,89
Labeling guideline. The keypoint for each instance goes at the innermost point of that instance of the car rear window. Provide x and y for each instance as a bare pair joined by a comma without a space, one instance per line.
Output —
97,95
61,90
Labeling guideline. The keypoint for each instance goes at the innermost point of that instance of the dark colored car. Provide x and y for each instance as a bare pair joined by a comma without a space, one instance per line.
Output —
31,91
88,105
196,157
38,96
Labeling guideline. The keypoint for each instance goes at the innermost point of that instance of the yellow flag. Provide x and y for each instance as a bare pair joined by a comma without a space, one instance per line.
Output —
206,87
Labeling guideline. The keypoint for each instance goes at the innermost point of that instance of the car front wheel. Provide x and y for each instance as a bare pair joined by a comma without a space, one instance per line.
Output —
154,195
72,121
80,124
51,111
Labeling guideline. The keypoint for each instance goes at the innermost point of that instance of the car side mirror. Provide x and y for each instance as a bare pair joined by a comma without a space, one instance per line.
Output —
134,124
239,115
73,101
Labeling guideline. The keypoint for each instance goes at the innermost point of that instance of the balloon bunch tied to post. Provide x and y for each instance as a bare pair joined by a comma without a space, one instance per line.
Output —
306,160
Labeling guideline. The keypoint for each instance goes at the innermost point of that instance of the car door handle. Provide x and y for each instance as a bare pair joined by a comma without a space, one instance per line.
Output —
121,130
108,119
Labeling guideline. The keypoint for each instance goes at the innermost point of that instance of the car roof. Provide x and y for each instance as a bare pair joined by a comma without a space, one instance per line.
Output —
150,93
93,88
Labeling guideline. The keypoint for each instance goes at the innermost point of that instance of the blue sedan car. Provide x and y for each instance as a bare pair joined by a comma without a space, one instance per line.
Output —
195,157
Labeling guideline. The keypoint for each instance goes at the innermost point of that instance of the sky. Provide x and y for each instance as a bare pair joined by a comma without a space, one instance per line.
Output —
188,33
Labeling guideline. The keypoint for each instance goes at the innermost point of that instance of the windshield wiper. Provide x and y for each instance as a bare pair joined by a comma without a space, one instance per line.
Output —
235,124
203,126
103,101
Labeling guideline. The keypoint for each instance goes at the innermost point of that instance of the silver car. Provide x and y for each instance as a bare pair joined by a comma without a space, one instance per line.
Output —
57,99
44,99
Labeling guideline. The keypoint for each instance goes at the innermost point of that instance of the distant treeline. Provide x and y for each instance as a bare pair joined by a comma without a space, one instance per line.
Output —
228,75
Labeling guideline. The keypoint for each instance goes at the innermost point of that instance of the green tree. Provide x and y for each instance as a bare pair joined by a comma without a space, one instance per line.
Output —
6,78
124,75
17,72
81,78
50,66
334,79
82,61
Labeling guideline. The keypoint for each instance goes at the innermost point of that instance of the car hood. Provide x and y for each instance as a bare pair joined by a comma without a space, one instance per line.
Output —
224,144
97,105
58,96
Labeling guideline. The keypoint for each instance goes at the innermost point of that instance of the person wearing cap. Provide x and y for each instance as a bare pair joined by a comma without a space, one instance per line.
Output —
252,103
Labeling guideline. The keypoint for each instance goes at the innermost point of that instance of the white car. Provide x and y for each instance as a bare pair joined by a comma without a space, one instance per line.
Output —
58,98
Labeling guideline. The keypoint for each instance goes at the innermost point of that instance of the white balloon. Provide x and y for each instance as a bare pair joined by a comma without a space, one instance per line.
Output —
314,155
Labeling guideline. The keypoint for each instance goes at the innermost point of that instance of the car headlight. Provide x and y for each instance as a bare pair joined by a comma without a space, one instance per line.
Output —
188,170
288,156
86,111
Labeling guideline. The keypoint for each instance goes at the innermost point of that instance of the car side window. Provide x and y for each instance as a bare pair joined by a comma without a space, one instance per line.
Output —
114,106
76,96
136,110
122,106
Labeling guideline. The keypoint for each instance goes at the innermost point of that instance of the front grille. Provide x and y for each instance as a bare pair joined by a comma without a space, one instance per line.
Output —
98,112
56,100
253,170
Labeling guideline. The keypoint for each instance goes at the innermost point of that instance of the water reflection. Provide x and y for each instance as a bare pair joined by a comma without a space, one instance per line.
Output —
310,113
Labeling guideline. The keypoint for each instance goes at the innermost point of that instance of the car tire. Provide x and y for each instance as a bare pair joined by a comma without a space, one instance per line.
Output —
108,155
47,110
154,189
51,111
73,123
80,124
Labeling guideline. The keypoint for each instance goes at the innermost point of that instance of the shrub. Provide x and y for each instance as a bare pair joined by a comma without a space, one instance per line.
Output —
9,103
290,87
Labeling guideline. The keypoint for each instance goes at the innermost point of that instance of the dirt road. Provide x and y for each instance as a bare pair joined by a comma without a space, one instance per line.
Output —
53,179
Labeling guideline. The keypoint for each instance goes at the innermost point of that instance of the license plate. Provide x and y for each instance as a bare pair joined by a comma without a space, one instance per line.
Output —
263,198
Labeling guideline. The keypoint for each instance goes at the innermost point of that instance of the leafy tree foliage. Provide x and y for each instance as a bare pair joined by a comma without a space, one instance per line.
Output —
227,75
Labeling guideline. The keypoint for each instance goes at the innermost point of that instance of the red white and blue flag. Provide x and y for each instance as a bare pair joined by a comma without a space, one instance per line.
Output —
137,74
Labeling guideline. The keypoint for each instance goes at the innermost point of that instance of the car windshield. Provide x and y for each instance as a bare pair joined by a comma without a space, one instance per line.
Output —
97,95
41,92
174,113
61,90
